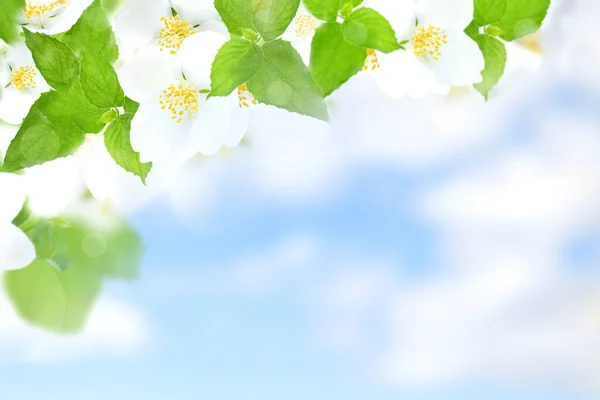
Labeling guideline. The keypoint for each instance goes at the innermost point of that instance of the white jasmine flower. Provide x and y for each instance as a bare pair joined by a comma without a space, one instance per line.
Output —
53,16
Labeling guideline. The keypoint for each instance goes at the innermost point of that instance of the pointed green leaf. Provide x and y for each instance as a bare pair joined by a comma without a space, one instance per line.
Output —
333,60
9,15
236,14
489,11
272,17
367,28
494,53
522,17
56,62
284,81
235,64
99,82
118,144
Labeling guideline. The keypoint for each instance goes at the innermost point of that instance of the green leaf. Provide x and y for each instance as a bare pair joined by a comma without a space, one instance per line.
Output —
9,15
284,81
56,62
131,106
236,63
494,54
37,294
236,14
272,17
118,144
333,60
93,33
81,286
522,17
44,239
325,10
54,127
99,82
369,29
489,11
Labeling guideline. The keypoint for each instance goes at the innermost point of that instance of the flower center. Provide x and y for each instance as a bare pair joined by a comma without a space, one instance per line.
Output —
372,62
245,98
38,11
174,32
22,78
305,25
180,100
427,42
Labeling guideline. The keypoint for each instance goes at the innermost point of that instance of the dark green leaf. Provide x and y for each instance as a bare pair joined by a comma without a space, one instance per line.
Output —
131,106
369,29
118,144
93,33
333,60
325,10
236,63
494,54
522,17
284,81
56,62
99,82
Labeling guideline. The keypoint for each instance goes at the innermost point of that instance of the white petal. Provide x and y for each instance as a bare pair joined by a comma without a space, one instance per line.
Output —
195,11
461,62
7,134
16,250
139,21
67,17
15,104
402,74
12,197
239,126
156,136
400,13
211,125
148,72
214,26
197,53
446,14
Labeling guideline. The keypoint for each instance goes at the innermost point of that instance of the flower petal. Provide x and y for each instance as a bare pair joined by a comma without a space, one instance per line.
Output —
240,117
64,20
211,125
195,11
156,136
138,23
400,13
461,62
445,14
12,197
197,53
402,74
148,72
16,250
15,104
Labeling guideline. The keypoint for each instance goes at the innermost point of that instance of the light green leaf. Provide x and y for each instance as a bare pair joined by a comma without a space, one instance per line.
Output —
522,17
367,28
54,127
37,294
9,13
93,33
494,54
272,17
284,81
81,286
236,63
325,10
44,239
236,14
56,62
99,82
489,11
131,106
333,60
118,144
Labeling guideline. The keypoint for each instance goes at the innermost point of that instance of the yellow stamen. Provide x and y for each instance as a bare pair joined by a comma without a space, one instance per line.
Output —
372,62
245,98
180,100
305,25
22,78
37,9
427,42
174,32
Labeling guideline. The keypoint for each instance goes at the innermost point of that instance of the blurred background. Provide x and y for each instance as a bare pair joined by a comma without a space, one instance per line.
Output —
441,248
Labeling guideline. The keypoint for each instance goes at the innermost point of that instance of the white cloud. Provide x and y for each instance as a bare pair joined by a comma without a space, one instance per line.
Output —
114,328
